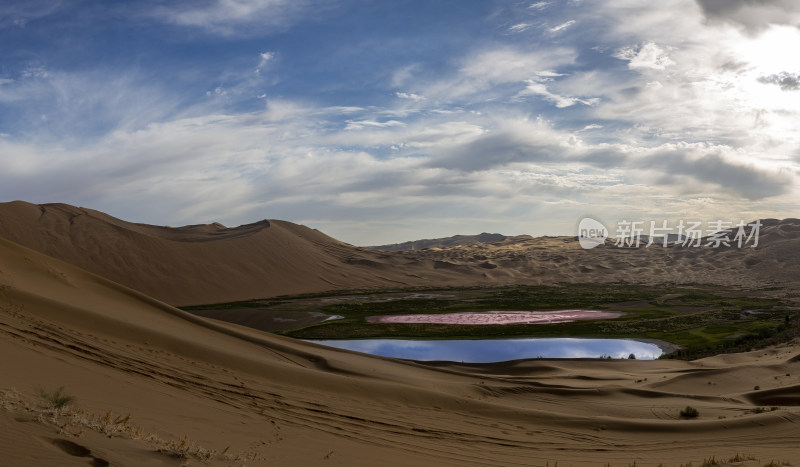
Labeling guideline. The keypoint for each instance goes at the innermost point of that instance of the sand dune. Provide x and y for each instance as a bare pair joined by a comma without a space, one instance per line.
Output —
202,264
545,260
209,263
285,402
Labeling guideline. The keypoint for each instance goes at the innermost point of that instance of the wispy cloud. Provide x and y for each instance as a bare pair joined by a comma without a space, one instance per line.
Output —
72,106
236,17
519,27
562,26
19,14
535,87
410,96
265,58
487,70
361,124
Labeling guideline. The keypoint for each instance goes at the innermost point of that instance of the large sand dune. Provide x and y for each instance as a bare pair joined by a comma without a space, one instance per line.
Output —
293,403
209,263
202,264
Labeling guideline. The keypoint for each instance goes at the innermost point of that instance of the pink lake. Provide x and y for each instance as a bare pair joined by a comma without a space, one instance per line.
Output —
498,317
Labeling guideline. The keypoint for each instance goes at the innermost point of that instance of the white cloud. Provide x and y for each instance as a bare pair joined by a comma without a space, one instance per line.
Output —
410,96
281,163
537,88
562,26
648,55
361,124
343,109
548,75
519,27
265,57
484,72
236,17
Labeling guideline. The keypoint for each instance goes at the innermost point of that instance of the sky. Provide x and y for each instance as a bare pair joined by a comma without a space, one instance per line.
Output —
380,122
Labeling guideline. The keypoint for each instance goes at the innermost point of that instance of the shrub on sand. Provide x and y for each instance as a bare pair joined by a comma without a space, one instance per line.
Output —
57,399
690,412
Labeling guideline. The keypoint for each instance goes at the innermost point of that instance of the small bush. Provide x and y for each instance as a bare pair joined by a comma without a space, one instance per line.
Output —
57,399
690,412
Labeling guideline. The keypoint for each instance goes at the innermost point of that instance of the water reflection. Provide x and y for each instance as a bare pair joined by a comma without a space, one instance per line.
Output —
498,350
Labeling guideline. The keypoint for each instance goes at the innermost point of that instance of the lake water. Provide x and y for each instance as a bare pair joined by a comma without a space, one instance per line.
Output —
498,350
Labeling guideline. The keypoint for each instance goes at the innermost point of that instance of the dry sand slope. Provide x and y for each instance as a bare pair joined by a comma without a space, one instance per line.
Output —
285,402
211,263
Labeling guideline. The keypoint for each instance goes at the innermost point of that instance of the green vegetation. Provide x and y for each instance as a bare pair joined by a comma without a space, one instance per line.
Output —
690,412
702,319
57,399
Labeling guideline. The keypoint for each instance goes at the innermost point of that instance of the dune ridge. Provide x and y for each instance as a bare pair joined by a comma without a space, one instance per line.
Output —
210,263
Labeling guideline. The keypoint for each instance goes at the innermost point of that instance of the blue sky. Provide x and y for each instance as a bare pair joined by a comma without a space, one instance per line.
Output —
381,122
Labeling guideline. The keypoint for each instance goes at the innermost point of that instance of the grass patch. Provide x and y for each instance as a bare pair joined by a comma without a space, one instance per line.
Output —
57,399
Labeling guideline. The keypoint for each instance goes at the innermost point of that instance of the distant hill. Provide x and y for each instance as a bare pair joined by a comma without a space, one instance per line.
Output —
446,242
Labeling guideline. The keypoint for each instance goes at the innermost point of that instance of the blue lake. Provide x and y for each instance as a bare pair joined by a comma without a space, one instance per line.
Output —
498,350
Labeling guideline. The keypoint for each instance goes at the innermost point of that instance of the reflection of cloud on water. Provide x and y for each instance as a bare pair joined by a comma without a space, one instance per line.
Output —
496,350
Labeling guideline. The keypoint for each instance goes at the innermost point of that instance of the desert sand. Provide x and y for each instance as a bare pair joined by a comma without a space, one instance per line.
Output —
220,394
